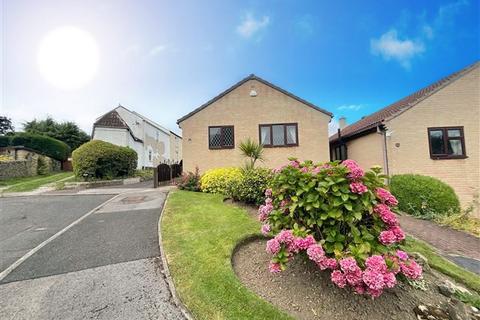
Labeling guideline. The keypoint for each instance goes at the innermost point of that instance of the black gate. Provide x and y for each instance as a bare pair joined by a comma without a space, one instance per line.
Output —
167,172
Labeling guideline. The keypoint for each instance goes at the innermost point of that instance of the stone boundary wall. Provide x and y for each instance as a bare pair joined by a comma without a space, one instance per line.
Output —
16,169
27,163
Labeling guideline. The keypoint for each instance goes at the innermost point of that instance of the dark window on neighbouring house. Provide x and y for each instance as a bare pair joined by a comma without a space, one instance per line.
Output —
446,143
279,135
339,152
221,137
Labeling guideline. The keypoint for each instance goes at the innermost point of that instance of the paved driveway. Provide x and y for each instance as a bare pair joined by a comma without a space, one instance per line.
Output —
106,266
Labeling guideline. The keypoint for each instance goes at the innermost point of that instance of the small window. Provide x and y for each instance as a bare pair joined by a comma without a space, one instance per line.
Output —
339,152
221,137
279,135
149,155
446,143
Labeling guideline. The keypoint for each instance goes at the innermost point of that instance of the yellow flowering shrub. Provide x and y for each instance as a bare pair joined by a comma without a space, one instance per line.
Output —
217,180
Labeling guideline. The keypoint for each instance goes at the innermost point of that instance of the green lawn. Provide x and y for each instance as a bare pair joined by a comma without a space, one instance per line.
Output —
443,265
199,234
32,183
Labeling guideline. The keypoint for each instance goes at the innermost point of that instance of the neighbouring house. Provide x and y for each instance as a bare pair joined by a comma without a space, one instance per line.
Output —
434,131
286,125
153,143
19,161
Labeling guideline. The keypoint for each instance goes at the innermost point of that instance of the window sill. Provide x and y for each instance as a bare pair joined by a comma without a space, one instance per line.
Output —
284,146
448,158
221,148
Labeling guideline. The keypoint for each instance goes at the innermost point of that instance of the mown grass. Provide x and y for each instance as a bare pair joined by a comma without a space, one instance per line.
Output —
199,234
443,265
32,183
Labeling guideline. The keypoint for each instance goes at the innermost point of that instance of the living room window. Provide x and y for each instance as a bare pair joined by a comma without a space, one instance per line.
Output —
279,135
221,137
446,143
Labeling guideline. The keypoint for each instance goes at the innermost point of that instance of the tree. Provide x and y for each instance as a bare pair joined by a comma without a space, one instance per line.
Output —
252,150
68,132
6,126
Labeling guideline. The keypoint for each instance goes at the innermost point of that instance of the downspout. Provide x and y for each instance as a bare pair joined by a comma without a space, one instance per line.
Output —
385,154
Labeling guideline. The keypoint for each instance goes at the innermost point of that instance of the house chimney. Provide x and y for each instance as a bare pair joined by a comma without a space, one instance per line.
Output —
342,122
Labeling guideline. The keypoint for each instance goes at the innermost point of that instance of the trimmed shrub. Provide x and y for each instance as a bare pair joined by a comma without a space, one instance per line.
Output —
190,181
423,196
251,187
4,141
217,180
47,146
342,219
103,160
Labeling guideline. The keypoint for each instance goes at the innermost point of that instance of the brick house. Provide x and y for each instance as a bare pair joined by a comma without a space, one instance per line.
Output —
285,124
434,131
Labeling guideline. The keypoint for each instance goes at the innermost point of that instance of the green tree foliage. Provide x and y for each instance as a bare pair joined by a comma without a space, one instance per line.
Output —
68,131
6,126
252,150
48,146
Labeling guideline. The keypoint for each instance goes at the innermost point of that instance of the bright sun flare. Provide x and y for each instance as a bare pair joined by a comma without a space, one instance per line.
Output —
68,58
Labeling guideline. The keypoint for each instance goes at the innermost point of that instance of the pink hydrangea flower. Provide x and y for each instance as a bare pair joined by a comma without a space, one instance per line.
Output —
279,169
268,192
327,263
398,232
266,229
358,187
338,278
274,267
386,214
355,172
360,289
373,279
315,253
389,279
285,236
411,269
348,265
304,243
354,278
304,170
387,237
402,255
316,170
284,203
294,163
268,201
376,262
273,246
374,292
264,211
386,197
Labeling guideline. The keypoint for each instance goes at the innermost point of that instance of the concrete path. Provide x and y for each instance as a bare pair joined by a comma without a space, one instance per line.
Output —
459,247
106,266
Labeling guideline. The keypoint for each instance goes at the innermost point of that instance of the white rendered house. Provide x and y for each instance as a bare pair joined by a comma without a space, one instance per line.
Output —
153,143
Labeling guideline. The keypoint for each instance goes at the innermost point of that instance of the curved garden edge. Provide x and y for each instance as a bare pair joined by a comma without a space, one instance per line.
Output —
166,271
199,236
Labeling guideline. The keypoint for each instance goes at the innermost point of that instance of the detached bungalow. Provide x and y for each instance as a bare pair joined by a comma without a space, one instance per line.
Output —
286,125
434,131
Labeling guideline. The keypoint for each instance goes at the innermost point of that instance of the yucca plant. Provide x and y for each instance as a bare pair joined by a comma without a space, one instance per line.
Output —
251,150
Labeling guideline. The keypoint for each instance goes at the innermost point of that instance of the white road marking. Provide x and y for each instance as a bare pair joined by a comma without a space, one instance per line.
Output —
7,271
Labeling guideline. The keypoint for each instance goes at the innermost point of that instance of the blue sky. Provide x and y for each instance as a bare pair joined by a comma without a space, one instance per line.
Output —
165,58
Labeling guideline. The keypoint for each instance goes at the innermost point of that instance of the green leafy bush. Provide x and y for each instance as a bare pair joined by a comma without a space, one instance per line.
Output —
217,180
144,174
424,196
190,181
50,147
251,187
103,160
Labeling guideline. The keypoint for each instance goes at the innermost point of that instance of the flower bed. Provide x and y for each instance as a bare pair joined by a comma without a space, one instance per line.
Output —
342,219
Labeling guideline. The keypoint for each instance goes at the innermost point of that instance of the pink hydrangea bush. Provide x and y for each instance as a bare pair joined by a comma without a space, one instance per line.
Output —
342,219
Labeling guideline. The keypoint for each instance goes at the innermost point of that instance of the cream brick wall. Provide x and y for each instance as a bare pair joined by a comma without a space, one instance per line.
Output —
245,113
367,150
458,104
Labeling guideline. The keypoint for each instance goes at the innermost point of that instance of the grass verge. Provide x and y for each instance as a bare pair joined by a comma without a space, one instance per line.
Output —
443,265
199,233
35,182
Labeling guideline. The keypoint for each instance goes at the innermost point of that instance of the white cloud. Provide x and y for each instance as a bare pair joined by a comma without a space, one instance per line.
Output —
354,107
390,46
251,26
156,50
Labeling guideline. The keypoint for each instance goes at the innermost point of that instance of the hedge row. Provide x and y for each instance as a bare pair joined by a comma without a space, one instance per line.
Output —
103,160
50,147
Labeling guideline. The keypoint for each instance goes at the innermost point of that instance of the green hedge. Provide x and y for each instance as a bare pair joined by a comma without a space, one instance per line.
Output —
103,160
50,147
424,196
251,187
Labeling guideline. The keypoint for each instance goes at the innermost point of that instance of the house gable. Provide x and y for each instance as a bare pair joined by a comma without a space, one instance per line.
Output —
250,78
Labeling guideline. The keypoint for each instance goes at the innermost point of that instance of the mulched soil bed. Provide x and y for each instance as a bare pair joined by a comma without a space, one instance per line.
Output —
306,292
